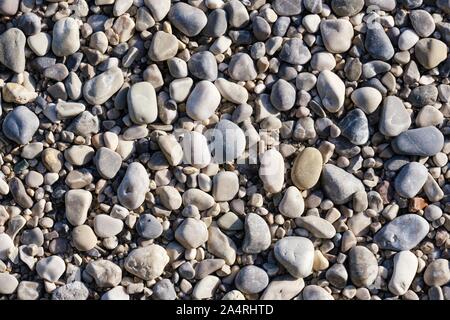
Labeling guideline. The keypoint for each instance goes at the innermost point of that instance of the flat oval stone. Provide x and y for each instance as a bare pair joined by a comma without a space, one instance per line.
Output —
77,204
8,283
200,199
422,22
283,287
142,105
403,233
99,89
307,168
405,268
188,19
339,185
257,234
84,238
314,292
134,186
292,204
51,268
195,149
355,127
251,280
225,186
363,266
337,35
287,8
20,125
227,141
423,95
6,244
158,8
203,101
377,43
283,95
170,197
426,141
394,118
411,179
271,171
191,233
296,254
19,193
147,262
331,90
107,162
347,7
66,37
12,49
437,273
231,91
106,226
79,155
148,226
318,226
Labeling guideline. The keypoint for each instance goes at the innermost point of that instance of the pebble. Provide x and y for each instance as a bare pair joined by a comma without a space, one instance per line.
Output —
203,101
283,288
107,162
84,238
78,202
284,8
336,34
405,268
231,91
430,52
66,37
198,198
251,280
20,125
292,204
191,233
363,266
106,226
314,292
6,244
16,93
394,118
296,254
195,149
271,170
169,197
345,8
426,141
9,7
228,143
117,293
319,227
367,99
30,290
158,8
71,291
257,234
12,49
203,66
339,185
377,43
142,105
205,288
164,290
225,186
102,87
148,226
307,168
241,67
164,46
105,273
294,51
422,22
8,283
437,273
411,179
403,233
51,268
147,262
331,90
188,19
355,127
283,95
134,186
